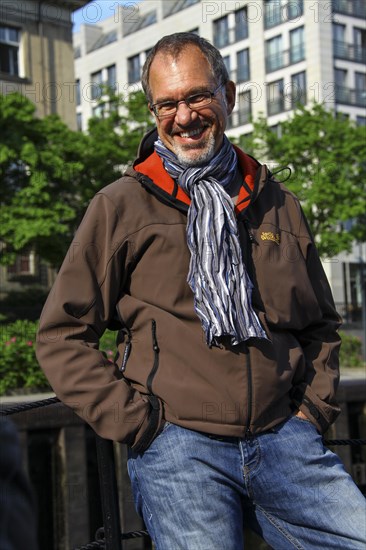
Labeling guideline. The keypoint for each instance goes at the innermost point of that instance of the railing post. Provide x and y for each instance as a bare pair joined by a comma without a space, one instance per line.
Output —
109,494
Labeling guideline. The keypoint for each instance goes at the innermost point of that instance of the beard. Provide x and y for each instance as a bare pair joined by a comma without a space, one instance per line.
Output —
201,156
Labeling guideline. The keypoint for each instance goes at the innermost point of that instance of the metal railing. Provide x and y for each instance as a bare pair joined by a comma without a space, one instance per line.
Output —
349,52
110,535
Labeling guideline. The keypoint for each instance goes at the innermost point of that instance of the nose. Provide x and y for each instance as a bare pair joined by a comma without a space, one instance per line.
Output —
184,114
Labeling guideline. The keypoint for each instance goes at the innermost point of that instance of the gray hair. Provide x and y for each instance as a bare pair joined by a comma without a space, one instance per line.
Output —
173,44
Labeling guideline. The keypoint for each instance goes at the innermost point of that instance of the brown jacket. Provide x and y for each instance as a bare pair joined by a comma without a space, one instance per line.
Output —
127,268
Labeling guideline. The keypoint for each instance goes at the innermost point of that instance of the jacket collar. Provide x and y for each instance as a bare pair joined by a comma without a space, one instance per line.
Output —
149,170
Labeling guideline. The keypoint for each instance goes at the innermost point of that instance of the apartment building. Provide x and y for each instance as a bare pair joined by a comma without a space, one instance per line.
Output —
37,60
279,52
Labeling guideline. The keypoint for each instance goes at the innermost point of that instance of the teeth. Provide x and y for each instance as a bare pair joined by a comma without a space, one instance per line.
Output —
192,133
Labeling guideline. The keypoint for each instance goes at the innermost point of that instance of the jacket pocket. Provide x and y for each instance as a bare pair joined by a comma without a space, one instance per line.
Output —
126,335
156,351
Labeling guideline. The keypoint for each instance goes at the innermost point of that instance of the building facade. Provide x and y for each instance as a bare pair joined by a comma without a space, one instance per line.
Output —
36,54
37,60
279,52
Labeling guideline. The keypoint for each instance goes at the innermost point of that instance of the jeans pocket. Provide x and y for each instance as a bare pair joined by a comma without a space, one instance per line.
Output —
167,424
306,420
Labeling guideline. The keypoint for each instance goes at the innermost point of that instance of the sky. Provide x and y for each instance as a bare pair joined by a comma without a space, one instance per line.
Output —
97,10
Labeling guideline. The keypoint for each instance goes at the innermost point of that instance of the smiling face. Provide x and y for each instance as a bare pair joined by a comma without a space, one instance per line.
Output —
193,135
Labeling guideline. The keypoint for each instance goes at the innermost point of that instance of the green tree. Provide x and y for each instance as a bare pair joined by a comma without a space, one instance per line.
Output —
41,164
114,137
48,173
326,155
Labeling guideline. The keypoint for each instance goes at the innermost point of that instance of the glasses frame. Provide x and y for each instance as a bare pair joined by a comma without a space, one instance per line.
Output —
186,101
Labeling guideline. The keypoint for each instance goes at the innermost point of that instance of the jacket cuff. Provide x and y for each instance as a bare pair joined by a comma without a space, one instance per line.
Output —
319,412
153,427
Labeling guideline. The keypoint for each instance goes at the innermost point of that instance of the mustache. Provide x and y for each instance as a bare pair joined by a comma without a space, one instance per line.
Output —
177,130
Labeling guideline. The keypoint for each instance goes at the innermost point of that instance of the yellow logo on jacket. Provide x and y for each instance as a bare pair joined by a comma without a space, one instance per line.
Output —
269,236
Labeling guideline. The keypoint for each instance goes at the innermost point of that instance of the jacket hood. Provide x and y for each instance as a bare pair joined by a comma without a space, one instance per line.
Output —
149,170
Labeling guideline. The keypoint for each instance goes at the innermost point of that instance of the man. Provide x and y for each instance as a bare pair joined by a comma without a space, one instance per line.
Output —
227,368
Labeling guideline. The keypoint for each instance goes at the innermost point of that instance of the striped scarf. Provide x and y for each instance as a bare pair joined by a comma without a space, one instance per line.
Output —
217,275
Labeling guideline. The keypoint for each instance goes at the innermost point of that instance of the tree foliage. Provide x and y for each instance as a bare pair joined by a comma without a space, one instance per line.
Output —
114,137
326,155
48,173
37,158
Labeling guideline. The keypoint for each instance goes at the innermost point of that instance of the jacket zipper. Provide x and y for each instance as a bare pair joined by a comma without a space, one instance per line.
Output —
126,352
248,433
156,349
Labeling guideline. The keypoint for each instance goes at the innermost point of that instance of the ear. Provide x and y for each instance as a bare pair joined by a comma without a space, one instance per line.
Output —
230,91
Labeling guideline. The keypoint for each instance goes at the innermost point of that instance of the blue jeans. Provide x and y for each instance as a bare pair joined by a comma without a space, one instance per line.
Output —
196,492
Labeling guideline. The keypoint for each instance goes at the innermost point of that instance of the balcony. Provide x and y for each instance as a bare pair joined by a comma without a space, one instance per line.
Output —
286,102
276,14
349,96
240,117
355,8
241,74
229,36
349,52
285,58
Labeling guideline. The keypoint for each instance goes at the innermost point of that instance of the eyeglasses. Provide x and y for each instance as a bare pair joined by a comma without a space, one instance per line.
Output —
195,101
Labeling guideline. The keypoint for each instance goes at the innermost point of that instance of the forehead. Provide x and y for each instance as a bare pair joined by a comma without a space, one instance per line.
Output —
173,76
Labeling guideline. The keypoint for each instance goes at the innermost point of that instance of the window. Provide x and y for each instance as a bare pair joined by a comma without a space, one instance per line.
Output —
339,32
361,120
277,130
174,7
79,121
272,13
295,8
275,97
342,116
77,52
78,92
111,76
226,60
340,77
24,265
104,40
339,43
356,8
298,89
297,49
242,66
274,54
360,84
96,85
99,111
221,32
241,24
136,23
359,45
341,90
9,50
279,11
134,68
245,108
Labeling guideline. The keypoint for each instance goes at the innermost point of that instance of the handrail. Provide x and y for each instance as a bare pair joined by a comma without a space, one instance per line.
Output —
14,409
109,537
